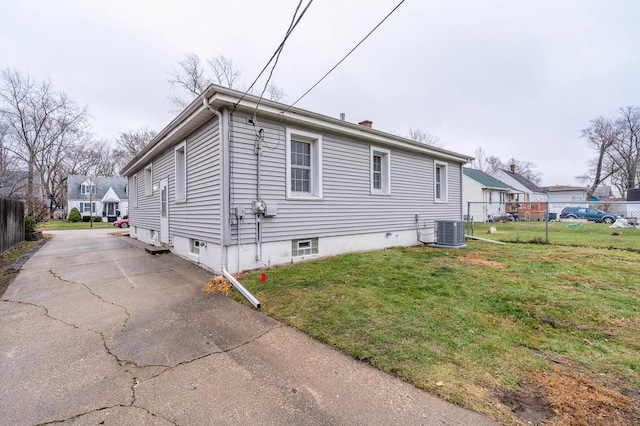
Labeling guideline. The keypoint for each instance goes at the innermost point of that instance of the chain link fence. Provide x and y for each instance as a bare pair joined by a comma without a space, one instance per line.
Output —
608,224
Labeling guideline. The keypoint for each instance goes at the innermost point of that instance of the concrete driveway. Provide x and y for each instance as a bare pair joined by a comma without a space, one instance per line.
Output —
95,331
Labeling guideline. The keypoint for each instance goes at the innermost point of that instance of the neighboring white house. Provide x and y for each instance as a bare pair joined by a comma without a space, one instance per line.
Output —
98,196
528,191
530,203
483,196
237,183
560,196
566,193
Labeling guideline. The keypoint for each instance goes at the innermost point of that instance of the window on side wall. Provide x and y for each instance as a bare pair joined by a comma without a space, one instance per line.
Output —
181,172
304,165
134,194
440,182
148,183
380,171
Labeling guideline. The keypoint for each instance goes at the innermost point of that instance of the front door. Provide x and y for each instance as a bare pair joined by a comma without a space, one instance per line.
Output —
111,209
164,211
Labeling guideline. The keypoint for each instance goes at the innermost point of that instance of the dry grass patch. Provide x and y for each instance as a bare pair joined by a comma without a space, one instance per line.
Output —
577,400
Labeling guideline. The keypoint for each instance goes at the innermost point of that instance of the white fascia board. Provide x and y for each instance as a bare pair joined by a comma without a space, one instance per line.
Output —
158,145
307,118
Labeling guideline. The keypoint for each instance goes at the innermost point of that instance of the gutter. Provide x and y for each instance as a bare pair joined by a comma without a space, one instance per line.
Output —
324,122
220,97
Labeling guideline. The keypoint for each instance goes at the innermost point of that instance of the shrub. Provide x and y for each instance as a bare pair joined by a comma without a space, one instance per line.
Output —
37,208
95,218
126,216
29,225
74,215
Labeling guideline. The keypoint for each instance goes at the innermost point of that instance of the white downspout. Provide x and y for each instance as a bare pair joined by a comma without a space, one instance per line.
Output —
221,134
223,248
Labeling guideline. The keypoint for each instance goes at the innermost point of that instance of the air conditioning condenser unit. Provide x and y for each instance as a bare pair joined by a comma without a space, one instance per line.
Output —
449,234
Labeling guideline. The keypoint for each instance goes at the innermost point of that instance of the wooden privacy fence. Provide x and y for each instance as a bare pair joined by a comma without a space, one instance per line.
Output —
11,223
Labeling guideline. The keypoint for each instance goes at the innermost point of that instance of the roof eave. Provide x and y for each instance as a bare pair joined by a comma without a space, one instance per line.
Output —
219,97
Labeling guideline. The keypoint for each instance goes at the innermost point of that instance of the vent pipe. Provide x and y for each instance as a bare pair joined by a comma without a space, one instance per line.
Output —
342,116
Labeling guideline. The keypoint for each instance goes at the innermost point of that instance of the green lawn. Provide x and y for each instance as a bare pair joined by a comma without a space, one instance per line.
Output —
474,324
564,233
63,224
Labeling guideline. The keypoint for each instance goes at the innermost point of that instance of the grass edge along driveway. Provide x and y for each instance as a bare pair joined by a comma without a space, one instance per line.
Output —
519,332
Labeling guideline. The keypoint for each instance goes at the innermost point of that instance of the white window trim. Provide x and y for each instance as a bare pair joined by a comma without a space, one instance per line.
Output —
316,165
148,180
444,185
386,170
181,198
135,191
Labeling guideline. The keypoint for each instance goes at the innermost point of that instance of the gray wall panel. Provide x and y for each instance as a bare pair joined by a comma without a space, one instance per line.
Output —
347,207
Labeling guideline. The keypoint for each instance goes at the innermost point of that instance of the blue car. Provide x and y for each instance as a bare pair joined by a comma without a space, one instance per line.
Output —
588,213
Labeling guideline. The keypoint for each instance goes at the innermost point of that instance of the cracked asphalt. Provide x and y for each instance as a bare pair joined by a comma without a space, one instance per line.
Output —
95,331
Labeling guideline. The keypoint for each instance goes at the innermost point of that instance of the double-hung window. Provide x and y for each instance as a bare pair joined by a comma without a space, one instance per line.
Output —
181,172
85,188
380,171
134,193
440,182
304,165
148,183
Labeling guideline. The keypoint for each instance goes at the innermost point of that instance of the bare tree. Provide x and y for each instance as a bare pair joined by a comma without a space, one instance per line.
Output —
224,70
12,175
275,93
130,143
625,153
38,119
480,160
527,169
617,143
191,79
493,164
421,136
600,136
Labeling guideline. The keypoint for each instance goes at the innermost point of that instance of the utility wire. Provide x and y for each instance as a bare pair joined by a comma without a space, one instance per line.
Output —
266,84
345,57
277,52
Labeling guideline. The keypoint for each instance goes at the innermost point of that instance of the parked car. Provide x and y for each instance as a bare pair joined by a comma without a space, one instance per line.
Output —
121,223
588,213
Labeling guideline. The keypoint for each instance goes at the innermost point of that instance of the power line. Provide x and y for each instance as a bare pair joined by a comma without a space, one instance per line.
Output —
277,52
345,57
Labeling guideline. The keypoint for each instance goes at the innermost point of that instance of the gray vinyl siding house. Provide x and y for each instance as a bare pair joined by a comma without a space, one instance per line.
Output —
233,185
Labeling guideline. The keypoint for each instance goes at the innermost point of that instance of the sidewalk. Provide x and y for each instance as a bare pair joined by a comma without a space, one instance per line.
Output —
95,331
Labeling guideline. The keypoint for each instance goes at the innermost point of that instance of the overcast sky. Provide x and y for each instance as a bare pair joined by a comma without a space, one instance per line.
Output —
517,78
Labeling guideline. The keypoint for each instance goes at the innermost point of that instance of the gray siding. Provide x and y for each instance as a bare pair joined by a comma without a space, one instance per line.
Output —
347,206
199,216
146,213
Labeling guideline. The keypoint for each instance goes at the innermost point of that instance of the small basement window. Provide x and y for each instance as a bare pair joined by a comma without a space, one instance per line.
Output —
195,246
304,247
